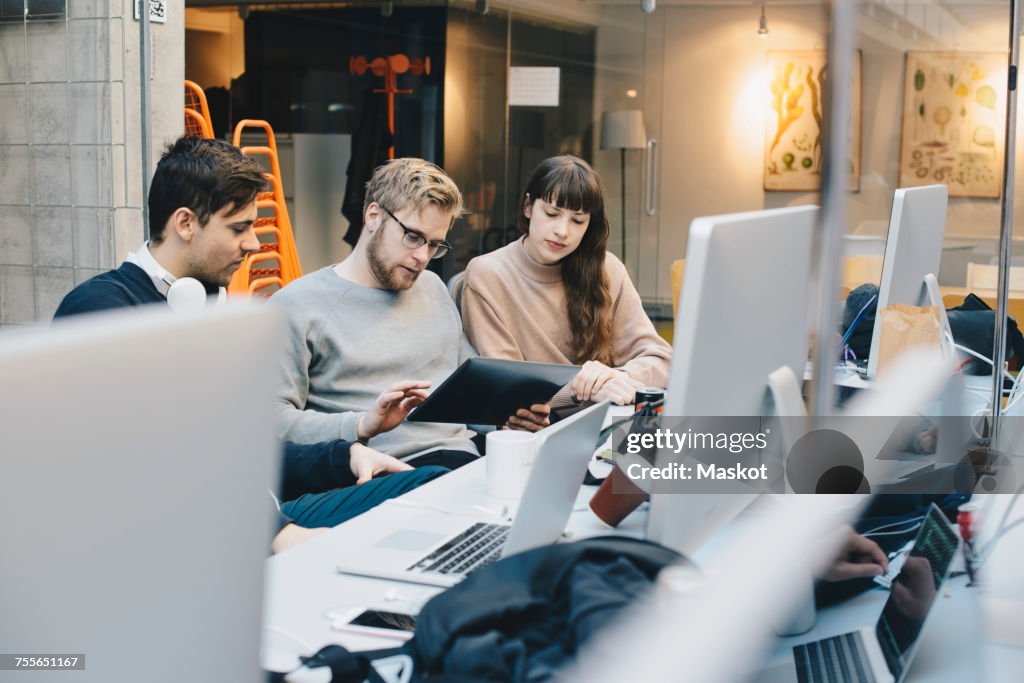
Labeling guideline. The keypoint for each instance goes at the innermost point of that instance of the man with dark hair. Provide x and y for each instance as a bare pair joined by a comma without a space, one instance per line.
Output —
202,205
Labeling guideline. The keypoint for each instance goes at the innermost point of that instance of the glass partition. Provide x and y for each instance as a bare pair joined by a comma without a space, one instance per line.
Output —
728,104
934,92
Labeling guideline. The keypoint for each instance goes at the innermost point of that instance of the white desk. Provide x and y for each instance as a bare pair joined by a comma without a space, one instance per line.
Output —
953,648
946,653
302,584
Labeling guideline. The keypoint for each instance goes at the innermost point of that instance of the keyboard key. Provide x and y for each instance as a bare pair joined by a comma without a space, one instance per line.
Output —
841,659
478,545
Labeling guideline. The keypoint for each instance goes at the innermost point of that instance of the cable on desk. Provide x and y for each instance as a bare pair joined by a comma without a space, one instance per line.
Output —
1004,531
856,319
878,530
971,352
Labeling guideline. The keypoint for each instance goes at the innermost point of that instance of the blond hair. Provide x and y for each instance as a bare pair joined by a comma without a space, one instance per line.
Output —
410,182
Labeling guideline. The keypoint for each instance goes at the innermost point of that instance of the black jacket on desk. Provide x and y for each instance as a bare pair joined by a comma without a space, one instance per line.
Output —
522,618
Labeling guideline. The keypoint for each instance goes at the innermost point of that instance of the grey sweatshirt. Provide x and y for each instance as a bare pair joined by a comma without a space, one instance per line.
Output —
348,343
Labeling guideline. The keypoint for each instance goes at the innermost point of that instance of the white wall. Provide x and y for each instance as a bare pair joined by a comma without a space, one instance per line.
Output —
320,163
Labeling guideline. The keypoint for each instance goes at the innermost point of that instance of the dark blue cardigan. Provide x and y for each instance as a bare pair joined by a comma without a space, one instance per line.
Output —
127,286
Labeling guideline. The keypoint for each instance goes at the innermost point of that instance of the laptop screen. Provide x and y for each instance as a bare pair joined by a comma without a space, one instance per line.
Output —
914,591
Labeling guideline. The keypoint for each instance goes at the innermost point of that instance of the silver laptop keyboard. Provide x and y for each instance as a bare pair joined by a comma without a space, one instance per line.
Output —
840,659
477,546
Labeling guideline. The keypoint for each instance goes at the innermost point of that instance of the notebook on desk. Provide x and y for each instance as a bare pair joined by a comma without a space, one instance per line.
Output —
430,546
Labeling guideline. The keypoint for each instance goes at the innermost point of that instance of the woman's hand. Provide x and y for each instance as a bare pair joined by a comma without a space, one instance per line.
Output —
620,390
597,382
532,419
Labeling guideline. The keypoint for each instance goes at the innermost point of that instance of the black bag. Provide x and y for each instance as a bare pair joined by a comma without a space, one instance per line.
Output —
973,324
861,305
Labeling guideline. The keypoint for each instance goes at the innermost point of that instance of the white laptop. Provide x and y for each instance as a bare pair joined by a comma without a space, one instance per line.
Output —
136,448
883,652
439,549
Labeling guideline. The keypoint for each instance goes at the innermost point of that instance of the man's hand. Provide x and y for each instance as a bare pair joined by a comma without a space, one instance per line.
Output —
532,419
391,408
291,535
914,590
860,557
366,463
597,382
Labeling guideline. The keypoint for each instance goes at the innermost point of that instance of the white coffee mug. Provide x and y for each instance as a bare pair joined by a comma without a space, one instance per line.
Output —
801,616
509,458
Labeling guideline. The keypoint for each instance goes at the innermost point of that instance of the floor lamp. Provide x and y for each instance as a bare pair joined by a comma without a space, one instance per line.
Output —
623,130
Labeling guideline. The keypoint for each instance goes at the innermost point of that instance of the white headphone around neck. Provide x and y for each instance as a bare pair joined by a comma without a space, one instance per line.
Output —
186,294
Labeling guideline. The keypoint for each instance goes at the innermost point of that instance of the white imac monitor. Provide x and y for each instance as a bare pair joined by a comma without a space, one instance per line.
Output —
913,251
743,310
136,450
743,315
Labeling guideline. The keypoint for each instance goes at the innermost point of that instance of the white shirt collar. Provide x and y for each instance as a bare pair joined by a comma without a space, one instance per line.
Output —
161,278
157,273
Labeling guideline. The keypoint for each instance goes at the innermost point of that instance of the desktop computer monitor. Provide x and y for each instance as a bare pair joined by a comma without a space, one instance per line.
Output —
743,310
743,314
913,250
136,452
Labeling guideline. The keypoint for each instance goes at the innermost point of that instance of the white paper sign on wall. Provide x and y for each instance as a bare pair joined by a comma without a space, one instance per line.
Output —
157,11
533,86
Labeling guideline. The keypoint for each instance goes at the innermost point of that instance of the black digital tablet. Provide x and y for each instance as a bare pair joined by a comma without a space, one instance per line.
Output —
487,391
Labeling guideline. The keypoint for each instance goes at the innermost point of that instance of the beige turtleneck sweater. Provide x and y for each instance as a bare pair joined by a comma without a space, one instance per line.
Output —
513,307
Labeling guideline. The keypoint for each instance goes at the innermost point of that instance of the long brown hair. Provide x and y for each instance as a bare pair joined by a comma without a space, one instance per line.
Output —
570,183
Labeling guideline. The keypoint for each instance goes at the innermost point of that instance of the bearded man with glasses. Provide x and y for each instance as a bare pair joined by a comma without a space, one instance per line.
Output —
370,335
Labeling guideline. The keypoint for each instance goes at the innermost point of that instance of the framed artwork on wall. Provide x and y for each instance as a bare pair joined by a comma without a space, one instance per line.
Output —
953,120
793,142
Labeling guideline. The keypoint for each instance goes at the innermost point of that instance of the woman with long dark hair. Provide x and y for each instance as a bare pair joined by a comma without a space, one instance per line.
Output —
557,296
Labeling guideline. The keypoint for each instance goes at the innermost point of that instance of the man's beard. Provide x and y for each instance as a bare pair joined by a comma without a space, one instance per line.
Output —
387,277
209,277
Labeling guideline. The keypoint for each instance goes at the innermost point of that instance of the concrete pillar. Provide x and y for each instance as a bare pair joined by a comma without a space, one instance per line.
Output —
70,150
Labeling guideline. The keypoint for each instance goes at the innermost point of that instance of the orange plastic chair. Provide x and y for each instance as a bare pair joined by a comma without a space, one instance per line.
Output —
195,125
198,121
277,262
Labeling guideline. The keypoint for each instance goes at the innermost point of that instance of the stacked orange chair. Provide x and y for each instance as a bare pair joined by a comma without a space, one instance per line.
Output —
277,262
198,122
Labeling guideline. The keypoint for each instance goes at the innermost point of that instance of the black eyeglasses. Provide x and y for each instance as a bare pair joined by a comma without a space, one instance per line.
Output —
413,239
